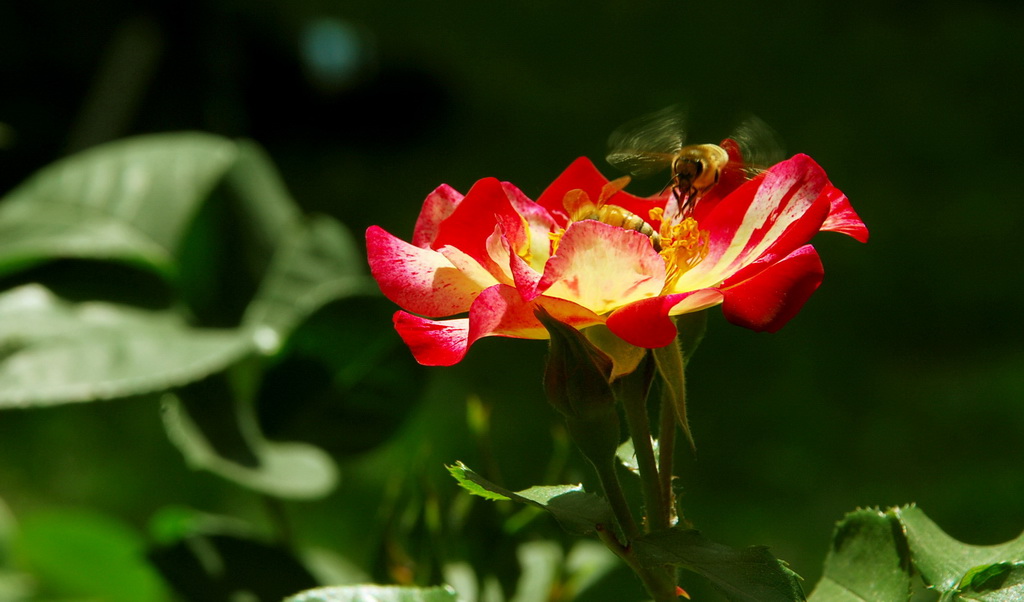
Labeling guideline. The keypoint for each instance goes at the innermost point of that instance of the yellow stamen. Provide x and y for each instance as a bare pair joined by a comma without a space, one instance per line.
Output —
683,246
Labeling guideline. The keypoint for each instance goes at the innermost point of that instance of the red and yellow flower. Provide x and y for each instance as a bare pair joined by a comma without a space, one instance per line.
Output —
480,264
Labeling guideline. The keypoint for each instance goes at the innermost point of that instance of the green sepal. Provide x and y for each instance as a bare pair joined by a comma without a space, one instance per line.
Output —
751,574
575,509
672,369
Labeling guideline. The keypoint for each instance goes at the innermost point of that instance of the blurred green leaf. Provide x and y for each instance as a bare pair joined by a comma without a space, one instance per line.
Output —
576,510
751,574
949,566
52,351
216,567
868,561
78,554
375,593
129,200
288,469
316,263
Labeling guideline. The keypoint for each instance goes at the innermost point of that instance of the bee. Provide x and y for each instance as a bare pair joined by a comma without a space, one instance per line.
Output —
581,208
653,142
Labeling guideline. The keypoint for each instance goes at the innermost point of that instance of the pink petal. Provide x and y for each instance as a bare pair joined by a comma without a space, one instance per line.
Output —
767,301
433,343
420,280
602,267
497,311
437,207
842,217
647,324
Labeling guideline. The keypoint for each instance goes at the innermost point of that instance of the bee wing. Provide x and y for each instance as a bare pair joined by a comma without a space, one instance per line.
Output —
759,145
647,144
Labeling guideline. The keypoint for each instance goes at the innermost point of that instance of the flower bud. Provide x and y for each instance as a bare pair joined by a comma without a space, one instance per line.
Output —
576,382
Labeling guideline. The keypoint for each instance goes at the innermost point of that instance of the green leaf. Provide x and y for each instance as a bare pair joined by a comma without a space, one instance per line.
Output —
316,262
375,593
284,469
84,555
626,454
53,351
576,510
752,574
999,582
129,200
215,566
949,566
868,561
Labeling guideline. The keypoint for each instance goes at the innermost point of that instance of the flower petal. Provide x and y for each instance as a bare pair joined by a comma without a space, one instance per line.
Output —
582,175
437,207
497,311
776,211
647,324
603,267
433,343
420,280
767,301
473,221
842,217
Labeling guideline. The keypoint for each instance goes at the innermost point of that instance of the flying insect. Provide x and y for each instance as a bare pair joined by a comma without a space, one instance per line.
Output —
657,141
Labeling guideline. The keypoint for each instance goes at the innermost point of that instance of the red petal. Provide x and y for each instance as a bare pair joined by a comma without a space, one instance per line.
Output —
842,217
583,175
771,298
473,221
437,207
419,280
433,343
647,324
765,218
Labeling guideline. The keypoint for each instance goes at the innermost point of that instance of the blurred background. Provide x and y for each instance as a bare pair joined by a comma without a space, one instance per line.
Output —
901,381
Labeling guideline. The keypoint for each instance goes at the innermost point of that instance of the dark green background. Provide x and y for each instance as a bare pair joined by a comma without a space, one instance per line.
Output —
901,381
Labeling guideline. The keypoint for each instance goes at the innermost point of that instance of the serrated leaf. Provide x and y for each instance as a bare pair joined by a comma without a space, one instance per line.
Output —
375,593
468,480
129,200
947,564
576,510
752,574
53,351
868,561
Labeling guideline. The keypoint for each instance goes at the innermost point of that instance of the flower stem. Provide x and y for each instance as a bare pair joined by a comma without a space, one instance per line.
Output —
640,431
666,454
616,498
660,582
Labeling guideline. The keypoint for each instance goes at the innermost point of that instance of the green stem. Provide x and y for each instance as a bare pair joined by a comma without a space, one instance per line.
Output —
616,498
640,431
660,582
666,455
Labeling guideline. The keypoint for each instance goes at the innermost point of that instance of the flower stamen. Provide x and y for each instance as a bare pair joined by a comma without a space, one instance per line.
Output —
683,246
